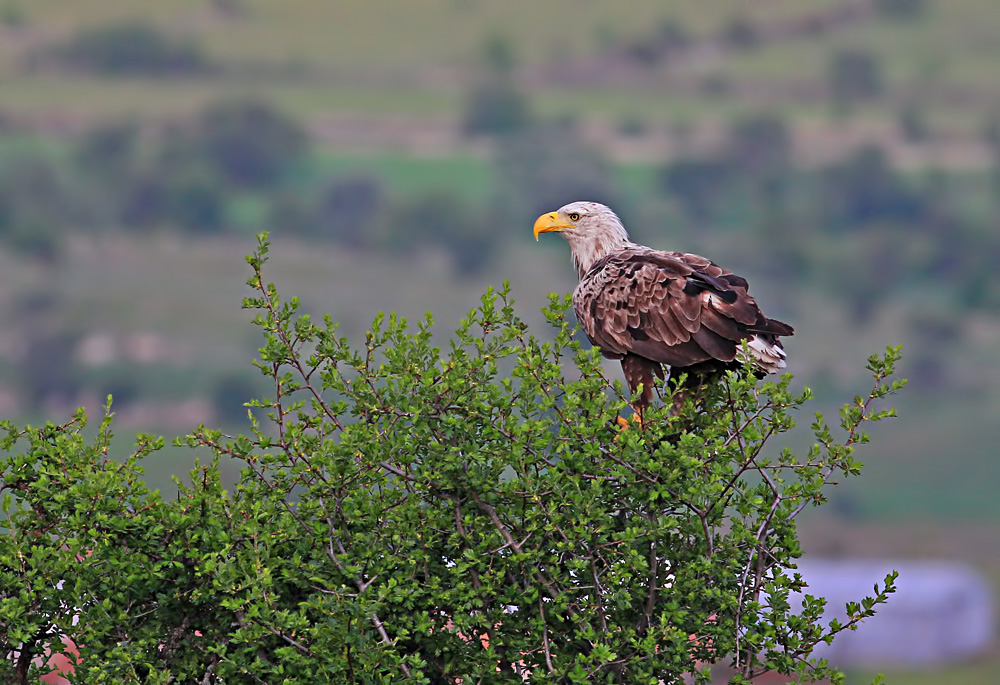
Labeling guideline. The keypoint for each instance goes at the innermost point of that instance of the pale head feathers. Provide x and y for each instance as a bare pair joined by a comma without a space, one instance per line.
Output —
592,230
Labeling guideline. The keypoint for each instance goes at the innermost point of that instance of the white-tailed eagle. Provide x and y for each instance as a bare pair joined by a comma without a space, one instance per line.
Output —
652,308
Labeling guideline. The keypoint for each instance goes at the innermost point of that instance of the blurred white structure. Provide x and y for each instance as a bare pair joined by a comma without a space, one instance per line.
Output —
940,613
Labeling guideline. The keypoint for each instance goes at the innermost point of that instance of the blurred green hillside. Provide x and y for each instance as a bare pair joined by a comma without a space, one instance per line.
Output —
661,63
844,155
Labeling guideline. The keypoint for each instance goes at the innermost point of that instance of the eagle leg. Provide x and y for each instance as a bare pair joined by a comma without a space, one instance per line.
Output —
643,372
624,423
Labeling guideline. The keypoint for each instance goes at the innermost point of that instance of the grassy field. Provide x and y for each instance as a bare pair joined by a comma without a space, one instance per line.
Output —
468,177
391,58
378,34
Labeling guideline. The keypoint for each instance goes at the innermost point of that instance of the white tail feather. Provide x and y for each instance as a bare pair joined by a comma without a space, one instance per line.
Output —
766,356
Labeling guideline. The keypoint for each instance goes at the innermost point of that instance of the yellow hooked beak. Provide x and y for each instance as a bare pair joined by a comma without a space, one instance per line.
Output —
547,223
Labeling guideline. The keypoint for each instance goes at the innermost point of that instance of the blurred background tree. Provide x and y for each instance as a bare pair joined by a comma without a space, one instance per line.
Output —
494,104
134,48
854,76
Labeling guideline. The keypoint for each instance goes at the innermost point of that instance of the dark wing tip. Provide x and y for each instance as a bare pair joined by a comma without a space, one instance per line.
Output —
773,327
696,283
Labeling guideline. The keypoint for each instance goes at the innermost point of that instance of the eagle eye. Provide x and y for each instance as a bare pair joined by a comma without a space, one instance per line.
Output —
574,216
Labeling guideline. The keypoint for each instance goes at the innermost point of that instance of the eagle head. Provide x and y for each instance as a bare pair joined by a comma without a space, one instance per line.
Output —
592,230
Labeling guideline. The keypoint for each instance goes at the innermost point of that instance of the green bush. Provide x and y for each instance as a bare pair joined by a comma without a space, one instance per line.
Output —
699,185
759,144
740,33
495,106
459,515
443,220
348,208
901,9
250,143
669,39
129,49
854,76
109,151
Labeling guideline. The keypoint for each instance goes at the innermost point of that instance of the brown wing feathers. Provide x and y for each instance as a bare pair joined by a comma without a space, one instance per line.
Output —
668,307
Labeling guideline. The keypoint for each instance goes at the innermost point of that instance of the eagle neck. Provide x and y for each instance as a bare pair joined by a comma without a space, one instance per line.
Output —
587,252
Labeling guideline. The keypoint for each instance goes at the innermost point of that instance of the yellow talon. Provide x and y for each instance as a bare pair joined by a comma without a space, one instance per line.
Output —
624,423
